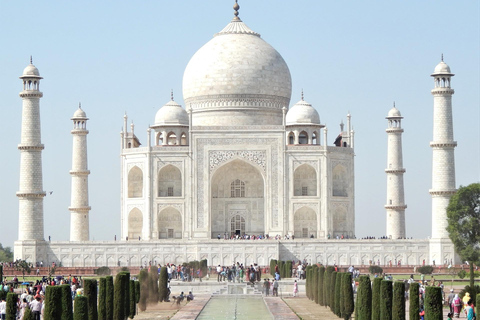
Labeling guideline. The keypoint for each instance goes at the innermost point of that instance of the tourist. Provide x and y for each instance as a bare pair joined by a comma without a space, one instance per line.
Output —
465,300
36,306
457,306
219,270
469,310
266,287
450,316
295,288
189,296
275,288
450,298
3,309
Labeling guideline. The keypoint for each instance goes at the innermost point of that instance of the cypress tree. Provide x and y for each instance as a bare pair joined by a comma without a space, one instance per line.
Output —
376,298
338,290
109,297
414,301
28,315
137,291
280,268
321,278
326,285
119,297
348,304
273,263
331,294
81,308
314,283
102,312
386,296
53,299
363,307
163,285
126,290
67,303
153,285
1,273
398,310
477,303
143,280
90,291
11,312
433,303
288,269
132,299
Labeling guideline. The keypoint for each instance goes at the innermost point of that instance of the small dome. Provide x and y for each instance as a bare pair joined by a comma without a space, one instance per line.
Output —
442,68
79,114
302,113
394,113
30,71
171,114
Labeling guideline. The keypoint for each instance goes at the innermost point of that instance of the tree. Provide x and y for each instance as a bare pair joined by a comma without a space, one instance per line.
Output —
326,285
109,296
11,306
364,299
398,311
126,290
28,315
414,300
53,299
463,216
376,298
433,303
347,292
132,300
152,285
67,304
90,291
477,303
137,291
81,308
102,294
143,279
23,266
386,300
331,294
321,283
338,293
119,297
314,282
273,263
163,285
6,255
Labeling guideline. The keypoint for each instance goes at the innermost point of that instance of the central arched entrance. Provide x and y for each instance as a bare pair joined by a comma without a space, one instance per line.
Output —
237,200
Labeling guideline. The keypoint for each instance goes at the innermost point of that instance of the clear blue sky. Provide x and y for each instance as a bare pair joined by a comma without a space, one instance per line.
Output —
118,56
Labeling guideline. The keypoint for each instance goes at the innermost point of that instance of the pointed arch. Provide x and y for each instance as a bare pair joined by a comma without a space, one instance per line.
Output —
339,181
171,139
303,137
340,221
305,223
315,138
169,182
135,224
291,138
135,183
159,139
169,224
183,139
305,181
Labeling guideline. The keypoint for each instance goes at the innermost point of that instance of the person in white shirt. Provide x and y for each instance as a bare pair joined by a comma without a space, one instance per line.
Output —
36,306
3,309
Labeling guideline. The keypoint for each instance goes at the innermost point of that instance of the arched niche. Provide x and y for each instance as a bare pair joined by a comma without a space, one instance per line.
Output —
169,224
303,138
169,182
340,221
305,181
135,183
237,189
305,223
135,224
339,181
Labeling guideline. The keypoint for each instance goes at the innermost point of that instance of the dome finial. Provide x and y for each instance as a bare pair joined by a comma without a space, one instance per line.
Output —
302,94
442,57
171,94
79,105
31,60
394,104
236,7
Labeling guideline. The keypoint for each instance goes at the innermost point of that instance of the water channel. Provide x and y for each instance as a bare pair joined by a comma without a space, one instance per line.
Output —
235,307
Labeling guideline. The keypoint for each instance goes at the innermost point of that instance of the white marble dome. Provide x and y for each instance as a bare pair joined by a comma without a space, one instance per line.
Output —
302,113
79,114
31,70
240,77
394,113
442,68
171,114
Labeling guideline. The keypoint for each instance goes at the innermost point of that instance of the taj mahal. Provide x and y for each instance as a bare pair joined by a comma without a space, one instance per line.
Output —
240,158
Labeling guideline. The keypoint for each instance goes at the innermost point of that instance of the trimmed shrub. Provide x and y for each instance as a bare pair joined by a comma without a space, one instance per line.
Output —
137,291
119,297
321,283
288,269
163,285
433,303
102,314
1,273
90,291
326,285
314,282
376,298
28,315
363,307
331,294
132,300
414,300
152,296
308,276
53,299
126,296
143,281
375,269
348,304
109,296
386,296
425,270
103,271
280,268
11,306
273,263
462,274
204,267
81,308
398,310
338,290
67,303
477,303
342,296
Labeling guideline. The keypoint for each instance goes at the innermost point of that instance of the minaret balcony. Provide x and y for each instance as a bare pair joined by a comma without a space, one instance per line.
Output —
442,90
27,147
80,172
81,209
396,207
443,144
442,192
398,170
40,194
31,94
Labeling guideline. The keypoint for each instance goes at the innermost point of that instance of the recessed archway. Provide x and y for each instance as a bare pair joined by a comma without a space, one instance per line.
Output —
169,224
305,223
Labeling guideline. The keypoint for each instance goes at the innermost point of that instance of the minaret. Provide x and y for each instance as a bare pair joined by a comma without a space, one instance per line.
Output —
443,164
79,208
395,195
30,194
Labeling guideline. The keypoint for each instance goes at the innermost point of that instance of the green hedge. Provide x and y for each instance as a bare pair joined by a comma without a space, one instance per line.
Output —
152,296
288,269
398,310
425,270
364,299
67,303
308,277
1,273
326,285
132,300
28,315
81,308
433,303
102,312
338,290
331,294
11,306
126,296
53,299
314,283
347,291
280,268
386,296
273,263
321,283
143,280
376,298
109,297
90,291
414,301
137,291
163,285
375,269
119,297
